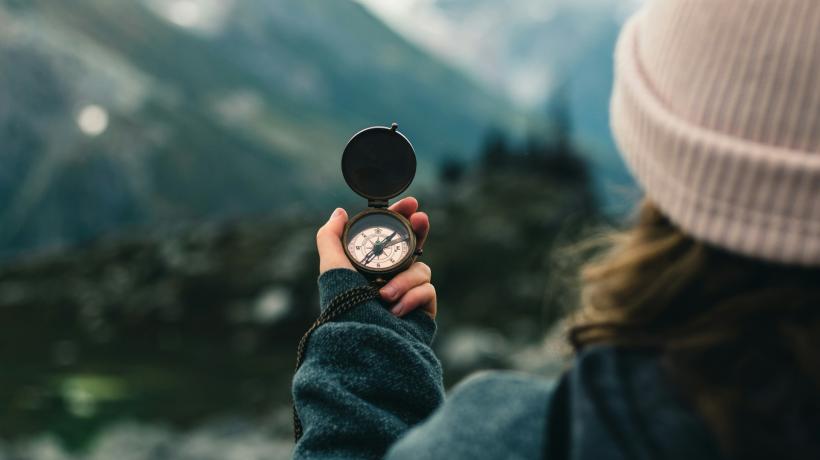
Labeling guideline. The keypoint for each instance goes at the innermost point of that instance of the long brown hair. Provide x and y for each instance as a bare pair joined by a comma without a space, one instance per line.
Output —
739,337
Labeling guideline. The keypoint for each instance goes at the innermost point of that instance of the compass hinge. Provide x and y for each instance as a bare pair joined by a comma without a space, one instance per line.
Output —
377,203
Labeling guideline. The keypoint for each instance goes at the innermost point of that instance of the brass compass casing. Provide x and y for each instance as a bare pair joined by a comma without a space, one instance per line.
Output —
379,163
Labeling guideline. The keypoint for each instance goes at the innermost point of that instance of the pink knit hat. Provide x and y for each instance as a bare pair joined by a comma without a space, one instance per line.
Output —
716,110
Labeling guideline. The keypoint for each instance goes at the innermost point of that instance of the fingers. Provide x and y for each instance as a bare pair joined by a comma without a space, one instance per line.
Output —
421,227
406,206
411,289
418,274
329,243
423,297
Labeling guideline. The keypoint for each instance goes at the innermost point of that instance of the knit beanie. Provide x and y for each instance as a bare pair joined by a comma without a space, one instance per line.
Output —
716,111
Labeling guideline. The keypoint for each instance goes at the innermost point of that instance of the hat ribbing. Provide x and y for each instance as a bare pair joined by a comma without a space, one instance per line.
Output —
716,110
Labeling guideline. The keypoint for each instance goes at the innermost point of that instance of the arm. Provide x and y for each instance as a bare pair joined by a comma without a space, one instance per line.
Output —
366,379
369,375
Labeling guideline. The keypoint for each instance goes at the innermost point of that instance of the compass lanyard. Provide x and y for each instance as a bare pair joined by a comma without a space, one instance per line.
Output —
340,304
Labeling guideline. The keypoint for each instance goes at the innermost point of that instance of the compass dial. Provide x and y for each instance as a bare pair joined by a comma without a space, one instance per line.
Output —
379,242
378,247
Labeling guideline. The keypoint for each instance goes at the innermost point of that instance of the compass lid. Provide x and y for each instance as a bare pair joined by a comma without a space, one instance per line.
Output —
379,163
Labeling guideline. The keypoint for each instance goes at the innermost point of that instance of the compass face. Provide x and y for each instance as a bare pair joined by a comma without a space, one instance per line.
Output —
378,242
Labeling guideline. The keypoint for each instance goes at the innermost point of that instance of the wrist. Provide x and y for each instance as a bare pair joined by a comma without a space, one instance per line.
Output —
335,281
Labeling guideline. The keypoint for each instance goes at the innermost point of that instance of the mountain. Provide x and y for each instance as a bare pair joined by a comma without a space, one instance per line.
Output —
125,115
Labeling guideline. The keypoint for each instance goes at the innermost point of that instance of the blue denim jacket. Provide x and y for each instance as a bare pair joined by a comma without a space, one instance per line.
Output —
371,387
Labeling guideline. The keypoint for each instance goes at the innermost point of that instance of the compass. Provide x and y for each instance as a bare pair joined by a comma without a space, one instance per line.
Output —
379,163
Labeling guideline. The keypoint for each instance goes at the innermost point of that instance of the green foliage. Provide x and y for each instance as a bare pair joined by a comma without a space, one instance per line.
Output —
498,240
176,327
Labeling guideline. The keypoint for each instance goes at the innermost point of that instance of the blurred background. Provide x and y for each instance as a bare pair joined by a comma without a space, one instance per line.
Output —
164,165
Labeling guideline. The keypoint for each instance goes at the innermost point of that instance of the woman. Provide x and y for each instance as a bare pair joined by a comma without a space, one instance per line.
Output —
699,332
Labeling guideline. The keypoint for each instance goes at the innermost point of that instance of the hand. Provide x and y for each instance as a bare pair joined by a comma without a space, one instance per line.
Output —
329,237
410,289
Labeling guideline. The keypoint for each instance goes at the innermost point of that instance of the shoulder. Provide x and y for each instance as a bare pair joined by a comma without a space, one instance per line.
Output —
626,403
500,386
488,415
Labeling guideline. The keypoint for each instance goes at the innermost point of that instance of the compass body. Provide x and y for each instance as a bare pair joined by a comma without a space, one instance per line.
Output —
379,163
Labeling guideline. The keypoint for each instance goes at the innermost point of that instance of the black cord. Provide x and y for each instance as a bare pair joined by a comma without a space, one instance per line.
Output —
340,304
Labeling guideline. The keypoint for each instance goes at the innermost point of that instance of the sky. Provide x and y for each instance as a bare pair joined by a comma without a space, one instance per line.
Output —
481,37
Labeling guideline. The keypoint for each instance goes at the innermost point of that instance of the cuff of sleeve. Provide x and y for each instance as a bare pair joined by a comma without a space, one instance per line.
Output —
334,282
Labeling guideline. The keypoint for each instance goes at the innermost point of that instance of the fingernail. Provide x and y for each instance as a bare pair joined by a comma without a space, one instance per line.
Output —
397,309
336,213
388,292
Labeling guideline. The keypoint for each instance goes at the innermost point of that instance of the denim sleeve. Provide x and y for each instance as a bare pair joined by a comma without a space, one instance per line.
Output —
367,377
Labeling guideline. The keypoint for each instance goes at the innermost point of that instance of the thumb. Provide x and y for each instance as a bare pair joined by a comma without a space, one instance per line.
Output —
329,243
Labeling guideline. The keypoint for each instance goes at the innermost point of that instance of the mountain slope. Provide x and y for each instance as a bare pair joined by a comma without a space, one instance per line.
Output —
249,117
